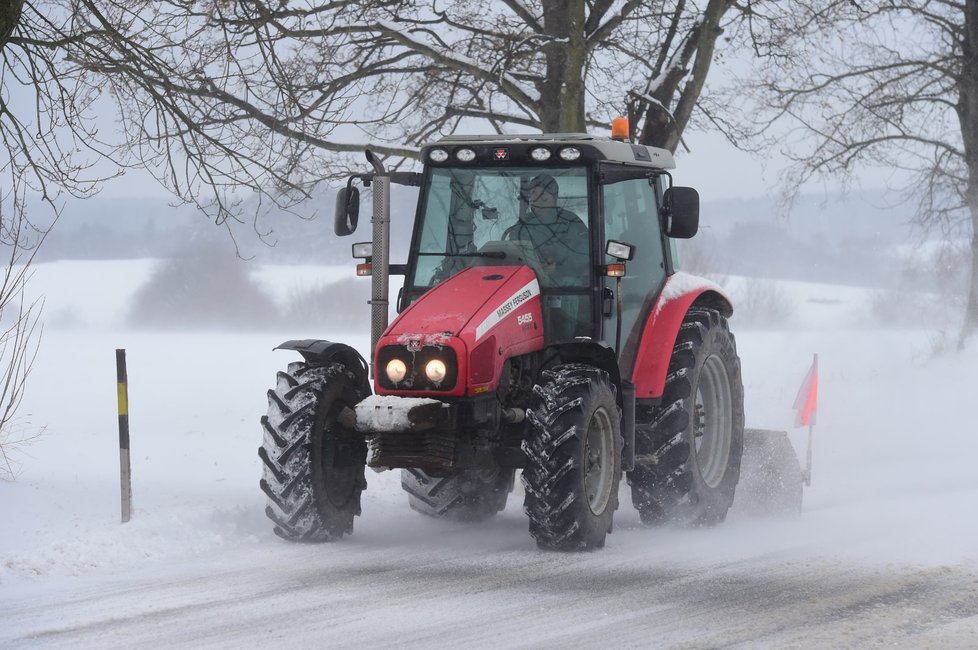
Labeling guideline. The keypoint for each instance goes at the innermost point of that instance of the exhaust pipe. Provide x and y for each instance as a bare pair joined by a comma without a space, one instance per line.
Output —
380,274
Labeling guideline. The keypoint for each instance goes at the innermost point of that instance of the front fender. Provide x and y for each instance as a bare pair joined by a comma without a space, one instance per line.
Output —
319,352
591,352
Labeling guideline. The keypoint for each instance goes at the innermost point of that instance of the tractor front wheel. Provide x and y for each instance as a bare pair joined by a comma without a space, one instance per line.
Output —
689,449
313,462
573,458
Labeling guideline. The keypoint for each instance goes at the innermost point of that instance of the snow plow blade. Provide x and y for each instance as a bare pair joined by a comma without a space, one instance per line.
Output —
771,477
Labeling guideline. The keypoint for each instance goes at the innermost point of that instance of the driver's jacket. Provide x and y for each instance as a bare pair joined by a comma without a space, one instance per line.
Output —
560,238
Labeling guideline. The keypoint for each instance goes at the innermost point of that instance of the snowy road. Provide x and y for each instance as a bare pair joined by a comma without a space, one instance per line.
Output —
485,586
884,554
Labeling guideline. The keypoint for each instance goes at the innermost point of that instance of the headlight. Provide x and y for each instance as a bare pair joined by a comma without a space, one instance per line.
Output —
438,155
435,371
396,370
465,155
433,367
540,154
570,154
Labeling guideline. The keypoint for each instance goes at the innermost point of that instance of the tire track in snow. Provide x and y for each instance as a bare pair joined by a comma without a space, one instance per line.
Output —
418,594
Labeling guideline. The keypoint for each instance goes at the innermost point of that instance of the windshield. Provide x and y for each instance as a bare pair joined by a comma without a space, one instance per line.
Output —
506,215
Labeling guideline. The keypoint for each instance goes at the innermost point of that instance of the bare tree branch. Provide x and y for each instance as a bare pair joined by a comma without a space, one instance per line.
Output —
884,83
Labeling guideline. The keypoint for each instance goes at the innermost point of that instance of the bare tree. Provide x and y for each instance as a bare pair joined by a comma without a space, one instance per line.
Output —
890,83
20,336
552,65
228,100
234,104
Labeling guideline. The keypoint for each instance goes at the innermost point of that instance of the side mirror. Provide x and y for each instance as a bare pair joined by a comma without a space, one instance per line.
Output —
347,211
682,212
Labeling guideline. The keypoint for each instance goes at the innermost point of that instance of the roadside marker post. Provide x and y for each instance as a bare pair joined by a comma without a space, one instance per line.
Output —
125,469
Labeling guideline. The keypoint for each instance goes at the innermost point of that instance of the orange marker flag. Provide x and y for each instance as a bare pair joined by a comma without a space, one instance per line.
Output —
807,400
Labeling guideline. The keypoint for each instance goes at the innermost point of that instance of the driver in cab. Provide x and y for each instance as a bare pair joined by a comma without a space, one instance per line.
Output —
559,236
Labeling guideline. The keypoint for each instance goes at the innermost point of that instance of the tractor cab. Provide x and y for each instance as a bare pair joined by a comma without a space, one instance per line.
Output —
554,203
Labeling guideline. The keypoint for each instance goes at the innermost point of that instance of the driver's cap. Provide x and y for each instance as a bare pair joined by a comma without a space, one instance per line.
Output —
545,181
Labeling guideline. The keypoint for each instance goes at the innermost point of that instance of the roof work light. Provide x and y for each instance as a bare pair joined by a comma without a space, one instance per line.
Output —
619,129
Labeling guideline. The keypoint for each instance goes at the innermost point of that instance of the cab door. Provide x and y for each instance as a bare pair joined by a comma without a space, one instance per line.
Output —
631,215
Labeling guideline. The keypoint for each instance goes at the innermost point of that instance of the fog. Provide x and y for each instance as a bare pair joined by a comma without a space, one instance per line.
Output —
886,547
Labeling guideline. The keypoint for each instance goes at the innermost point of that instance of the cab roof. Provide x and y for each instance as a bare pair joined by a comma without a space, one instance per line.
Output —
592,147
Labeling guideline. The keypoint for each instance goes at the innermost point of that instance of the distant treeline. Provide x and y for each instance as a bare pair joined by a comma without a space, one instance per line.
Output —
828,240
131,228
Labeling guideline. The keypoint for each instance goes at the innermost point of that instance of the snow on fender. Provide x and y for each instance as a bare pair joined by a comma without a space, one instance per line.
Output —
683,285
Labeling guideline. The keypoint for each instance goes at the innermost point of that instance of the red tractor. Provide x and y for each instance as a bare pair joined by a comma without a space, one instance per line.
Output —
544,327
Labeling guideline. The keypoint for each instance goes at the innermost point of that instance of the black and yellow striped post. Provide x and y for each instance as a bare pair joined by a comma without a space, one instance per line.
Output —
124,465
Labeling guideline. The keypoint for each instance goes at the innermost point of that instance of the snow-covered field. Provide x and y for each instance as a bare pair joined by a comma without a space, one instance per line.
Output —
885,552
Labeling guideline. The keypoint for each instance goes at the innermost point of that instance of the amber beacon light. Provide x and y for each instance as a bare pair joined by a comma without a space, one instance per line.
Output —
619,128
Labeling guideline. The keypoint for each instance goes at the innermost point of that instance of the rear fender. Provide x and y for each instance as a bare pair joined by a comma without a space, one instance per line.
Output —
320,353
681,293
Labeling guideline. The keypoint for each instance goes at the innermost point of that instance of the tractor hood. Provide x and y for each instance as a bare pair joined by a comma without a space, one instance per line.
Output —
482,315
447,308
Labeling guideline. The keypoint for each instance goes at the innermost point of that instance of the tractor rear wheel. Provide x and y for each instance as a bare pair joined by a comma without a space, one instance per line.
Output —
573,458
464,495
313,462
689,450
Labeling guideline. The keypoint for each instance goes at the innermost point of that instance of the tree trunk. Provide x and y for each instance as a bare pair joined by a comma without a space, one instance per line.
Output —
968,115
971,310
562,92
9,15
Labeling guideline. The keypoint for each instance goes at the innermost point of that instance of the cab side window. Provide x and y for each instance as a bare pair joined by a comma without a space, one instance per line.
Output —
631,215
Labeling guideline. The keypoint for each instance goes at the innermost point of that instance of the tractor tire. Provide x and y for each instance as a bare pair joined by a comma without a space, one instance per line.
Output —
464,495
573,458
313,463
688,453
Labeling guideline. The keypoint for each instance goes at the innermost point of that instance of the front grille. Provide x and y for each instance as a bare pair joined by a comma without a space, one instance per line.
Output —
421,449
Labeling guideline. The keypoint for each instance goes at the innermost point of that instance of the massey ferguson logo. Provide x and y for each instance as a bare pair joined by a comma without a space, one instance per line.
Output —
514,302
